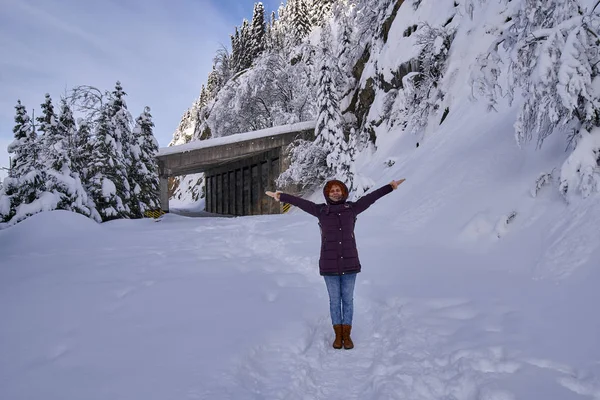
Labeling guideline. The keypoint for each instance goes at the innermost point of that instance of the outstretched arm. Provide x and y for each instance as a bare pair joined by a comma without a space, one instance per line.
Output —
302,204
366,201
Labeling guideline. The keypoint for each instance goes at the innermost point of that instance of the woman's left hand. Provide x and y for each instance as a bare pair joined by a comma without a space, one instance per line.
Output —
274,195
395,184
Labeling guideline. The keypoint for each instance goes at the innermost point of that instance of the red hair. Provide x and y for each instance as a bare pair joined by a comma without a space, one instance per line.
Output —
333,183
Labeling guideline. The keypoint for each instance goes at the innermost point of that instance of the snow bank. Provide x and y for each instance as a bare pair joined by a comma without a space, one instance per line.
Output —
46,227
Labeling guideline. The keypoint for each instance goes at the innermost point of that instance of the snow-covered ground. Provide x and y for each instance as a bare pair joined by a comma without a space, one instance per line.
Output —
452,303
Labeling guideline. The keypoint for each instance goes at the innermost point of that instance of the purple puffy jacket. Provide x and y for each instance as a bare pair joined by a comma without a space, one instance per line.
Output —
338,246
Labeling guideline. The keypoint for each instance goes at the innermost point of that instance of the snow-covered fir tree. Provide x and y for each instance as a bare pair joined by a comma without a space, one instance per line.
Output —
245,45
278,30
299,18
235,51
55,141
127,149
214,83
23,143
83,146
107,173
269,33
25,193
329,131
68,128
320,11
61,181
21,150
144,171
258,27
79,146
48,121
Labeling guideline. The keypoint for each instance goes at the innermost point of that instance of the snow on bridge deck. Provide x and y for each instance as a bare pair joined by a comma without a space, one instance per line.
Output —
236,138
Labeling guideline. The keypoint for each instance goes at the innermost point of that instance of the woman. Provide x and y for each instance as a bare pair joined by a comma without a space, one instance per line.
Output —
339,262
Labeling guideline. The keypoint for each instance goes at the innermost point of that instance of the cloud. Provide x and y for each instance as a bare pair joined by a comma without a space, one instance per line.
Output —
161,51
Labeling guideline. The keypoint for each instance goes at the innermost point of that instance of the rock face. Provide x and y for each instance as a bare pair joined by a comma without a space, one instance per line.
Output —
387,24
364,96
188,125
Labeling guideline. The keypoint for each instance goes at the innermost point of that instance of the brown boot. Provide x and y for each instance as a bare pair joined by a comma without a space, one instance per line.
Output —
346,337
337,343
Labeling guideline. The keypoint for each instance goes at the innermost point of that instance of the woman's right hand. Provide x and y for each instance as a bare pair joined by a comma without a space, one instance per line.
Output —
395,184
274,195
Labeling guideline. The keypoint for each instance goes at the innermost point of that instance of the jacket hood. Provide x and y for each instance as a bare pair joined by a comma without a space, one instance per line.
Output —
327,188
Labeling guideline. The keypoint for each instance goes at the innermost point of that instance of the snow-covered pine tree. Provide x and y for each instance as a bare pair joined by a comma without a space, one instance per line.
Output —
106,172
83,146
127,149
269,33
245,45
278,33
235,51
320,11
213,83
146,193
48,121
21,150
329,131
26,185
65,186
54,139
68,127
258,27
300,18
554,61
204,98
22,144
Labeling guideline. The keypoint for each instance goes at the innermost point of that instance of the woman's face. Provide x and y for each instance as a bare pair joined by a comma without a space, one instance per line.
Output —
336,193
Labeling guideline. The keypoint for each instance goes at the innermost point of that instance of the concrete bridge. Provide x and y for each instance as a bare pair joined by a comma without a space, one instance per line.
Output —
238,169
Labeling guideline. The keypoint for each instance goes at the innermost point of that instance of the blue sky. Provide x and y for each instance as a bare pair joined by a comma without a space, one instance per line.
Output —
160,50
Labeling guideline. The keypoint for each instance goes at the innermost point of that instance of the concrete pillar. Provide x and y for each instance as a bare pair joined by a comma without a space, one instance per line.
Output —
272,187
164,193
231,181
239,193
247,200
254,189
220,198
274,174
225,193
207,193
213,196
266,201
259,189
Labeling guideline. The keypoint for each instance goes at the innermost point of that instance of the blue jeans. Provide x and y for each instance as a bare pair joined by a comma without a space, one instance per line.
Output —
341,298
